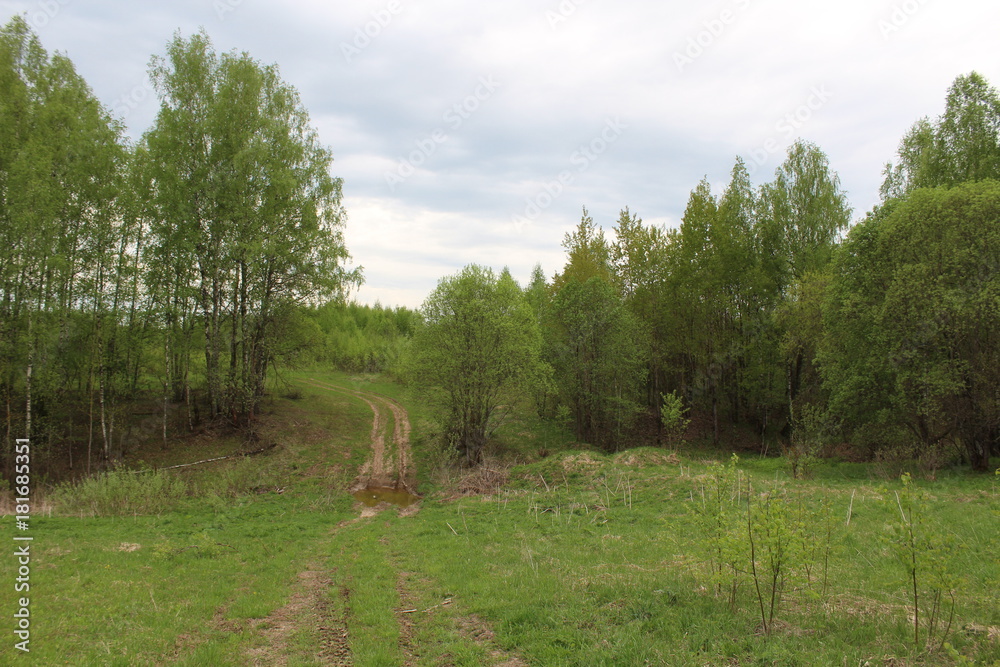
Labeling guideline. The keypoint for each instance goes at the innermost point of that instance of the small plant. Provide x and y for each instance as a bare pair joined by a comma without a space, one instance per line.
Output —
925,555
776,546
823,525
719,518
811,426
673,417
122,492
239,477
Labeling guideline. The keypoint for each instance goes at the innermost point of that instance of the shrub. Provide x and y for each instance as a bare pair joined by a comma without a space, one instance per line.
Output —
122,492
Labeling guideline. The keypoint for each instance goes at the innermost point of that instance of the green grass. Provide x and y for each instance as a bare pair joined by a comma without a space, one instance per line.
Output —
580,574
141,589
584,558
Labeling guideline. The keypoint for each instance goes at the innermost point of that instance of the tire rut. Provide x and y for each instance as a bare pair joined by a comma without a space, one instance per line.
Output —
385,466
308,607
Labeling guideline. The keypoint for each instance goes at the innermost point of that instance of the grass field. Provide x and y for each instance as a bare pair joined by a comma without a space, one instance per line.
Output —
574,558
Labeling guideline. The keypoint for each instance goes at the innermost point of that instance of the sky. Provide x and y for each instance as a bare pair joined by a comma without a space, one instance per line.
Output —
477,132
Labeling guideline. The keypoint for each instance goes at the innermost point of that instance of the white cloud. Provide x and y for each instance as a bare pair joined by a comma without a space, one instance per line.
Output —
560,80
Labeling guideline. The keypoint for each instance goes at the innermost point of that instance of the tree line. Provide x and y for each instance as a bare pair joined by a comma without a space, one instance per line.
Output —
164,280
172,269
766,311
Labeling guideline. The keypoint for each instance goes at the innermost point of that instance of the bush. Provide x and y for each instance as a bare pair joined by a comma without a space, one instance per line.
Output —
673,414
121,492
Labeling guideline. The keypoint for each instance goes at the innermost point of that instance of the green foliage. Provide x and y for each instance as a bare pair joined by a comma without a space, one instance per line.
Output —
925,552
607,564
477,353
594,341
720,518
811,430
912,319
186,268
804,210
120,261
359,338
121,493
597,360
961,146
776,540
777,546
240,189
65,325
673,417
588,253
741,293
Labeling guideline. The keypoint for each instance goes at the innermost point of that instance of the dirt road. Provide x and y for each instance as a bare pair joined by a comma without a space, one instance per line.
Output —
356,595
390,462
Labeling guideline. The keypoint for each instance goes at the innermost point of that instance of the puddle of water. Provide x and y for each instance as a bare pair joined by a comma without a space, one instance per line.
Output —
374,495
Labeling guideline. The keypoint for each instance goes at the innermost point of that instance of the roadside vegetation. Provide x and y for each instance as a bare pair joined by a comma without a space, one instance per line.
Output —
549,552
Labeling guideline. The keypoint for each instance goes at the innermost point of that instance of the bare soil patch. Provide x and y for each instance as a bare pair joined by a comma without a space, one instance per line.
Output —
479,631
405,619
390,462
307,607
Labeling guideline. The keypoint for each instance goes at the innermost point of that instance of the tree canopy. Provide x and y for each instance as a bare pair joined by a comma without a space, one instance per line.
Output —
914,315
121,261
477,353
180,270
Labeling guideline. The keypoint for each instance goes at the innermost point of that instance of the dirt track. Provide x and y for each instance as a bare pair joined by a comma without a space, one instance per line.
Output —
390,463
323,602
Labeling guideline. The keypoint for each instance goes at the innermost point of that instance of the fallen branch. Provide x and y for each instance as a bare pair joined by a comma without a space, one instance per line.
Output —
444,602
217,458
185,465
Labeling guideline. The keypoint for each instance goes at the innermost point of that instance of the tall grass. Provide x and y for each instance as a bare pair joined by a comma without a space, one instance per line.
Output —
130,492
121,492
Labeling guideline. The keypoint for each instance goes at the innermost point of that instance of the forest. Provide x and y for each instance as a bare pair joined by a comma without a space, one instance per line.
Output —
152,287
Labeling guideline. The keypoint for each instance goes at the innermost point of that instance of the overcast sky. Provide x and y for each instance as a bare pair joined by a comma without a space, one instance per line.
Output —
476,132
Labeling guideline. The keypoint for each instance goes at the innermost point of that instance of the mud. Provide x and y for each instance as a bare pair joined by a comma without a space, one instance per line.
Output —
387,475
372,496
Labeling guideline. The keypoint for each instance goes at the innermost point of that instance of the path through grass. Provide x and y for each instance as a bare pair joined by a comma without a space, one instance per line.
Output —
581,559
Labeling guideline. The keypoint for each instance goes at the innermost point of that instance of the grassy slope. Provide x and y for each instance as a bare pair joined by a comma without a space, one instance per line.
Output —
583,559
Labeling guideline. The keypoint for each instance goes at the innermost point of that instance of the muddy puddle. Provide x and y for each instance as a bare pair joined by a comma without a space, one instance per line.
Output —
374,495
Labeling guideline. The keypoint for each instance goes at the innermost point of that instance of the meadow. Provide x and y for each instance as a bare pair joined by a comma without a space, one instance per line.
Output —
552,553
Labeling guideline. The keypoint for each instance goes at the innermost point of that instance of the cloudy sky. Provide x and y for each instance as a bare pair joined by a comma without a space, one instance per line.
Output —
476,132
